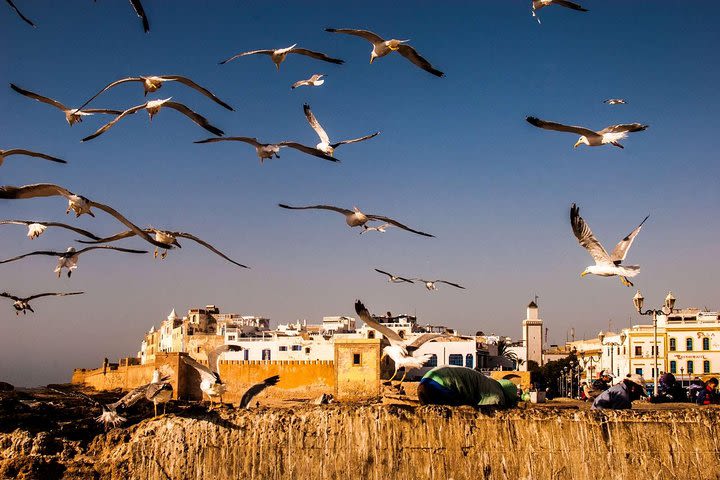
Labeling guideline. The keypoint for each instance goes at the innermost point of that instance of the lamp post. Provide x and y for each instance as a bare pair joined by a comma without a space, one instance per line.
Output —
682,380
601,337
564,381
591,360
667,309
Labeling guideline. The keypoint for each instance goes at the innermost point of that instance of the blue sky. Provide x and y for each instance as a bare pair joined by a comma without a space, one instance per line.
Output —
455,158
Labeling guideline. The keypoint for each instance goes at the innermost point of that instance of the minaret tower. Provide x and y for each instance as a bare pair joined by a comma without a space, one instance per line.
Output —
532,336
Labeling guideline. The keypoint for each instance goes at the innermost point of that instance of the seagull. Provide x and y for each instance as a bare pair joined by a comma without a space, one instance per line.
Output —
612,134
25,19
394,278
538,4
380,228
19,151
270,150
356,218
325,145
72,115
210,381
402,352
615,101
278,55
153,107
36,228
605,265
164,236
382,47
253,391
154,83
140,11
23,303
158,391
314,81
430,284
69,258
77,203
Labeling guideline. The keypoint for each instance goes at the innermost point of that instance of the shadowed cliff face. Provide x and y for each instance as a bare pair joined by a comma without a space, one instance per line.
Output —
376,442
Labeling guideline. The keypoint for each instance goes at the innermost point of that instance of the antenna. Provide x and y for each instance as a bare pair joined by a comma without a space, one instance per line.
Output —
536,299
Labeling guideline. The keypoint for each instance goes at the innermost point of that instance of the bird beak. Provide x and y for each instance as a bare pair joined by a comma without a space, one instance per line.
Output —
577,143
583,274
371,59
278,66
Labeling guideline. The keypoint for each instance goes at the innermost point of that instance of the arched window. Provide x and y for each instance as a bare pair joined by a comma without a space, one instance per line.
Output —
469,360
673,366
455,359
706,366
690,366
401,333
673,344
706,343
688,344
432,362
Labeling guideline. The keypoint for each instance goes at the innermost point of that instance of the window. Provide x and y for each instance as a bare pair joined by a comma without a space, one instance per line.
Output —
673,345
401,333
638,371
706,343
247,354
307,350
266,354
231,338
690,366
689,344
282,348
455,359
432,362
673,366
706,366
638,350
469,360
297,348
371,334
356,359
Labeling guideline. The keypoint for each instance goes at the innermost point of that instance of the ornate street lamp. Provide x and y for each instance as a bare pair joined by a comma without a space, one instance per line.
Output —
601,337
667,309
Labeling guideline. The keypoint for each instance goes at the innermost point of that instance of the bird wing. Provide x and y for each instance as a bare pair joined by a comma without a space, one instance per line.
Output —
39,97
208,246
214,357
586,237
398,224
12,297
411,54
252,141
109,86
50,224
140,11
365,316
251,392
620,251
317,55
153,389
309,150
204,371
391,275
315,124
344,211
130,398
9,192
43,252
186,81
355,140
104,247
624,127
138,231
81,395
113,238
27,20
566,3
252,52
299,83
112,122
103,110
424,338
52,294
560,127
449,283
195,117
366,34
29,153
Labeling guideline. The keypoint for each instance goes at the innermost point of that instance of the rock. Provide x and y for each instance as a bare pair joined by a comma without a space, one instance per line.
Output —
6,387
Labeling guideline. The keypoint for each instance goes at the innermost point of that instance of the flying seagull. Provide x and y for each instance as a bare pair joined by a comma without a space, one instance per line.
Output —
382,47
278,55
25,19
77,203
72,115
167,237
36,228
612,134
270,150
210,382
154,83
153,107
615,101
20,151
23,303
356,218
430,284
325,145
605,265
394,278
69,258
314,81
140,11
380,228
538,4
253,391
402,352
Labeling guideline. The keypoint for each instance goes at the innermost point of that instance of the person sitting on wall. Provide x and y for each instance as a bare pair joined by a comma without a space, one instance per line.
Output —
453,385
598,386
669,390
696,386
621,395
709,394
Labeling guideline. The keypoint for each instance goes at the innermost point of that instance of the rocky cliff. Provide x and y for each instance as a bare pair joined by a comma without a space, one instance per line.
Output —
371,441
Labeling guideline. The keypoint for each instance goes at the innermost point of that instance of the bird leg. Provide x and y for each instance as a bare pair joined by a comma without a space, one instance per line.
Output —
155,405
617,144
164,254
69,273
403,378
625,281
393,376
164,407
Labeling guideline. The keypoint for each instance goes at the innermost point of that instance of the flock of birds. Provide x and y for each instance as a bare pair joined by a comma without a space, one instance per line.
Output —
162,240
